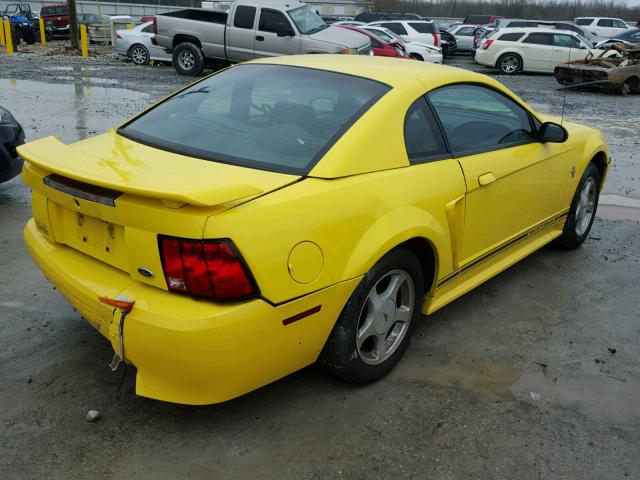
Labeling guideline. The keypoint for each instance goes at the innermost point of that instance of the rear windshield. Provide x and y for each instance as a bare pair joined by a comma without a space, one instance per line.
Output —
270,117
58,10
423,27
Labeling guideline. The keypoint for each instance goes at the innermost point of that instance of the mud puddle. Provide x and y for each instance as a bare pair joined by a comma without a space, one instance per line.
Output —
490,379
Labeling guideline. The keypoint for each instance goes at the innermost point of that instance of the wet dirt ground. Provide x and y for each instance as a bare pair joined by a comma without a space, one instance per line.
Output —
535,374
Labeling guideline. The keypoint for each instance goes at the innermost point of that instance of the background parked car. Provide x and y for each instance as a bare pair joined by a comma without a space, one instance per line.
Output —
11,137
512,50
602,26
25,22
550,24
369,17
135,43
413,30
479,34
379,46
464,35
91,18
58,16
448,43
481,19
416,50
631,36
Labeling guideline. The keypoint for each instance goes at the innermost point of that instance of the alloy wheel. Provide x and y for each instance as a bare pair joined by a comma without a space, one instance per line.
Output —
586,206
139,55
385,317
186,60
510,64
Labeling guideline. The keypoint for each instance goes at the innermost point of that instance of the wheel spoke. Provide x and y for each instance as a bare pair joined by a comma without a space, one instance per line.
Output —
366,330
391,292
403,314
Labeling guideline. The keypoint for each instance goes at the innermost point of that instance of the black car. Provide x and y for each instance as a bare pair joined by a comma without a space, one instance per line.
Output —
632,35
11,137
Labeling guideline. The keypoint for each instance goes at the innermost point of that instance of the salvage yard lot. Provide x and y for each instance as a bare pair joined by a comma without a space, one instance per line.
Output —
533,375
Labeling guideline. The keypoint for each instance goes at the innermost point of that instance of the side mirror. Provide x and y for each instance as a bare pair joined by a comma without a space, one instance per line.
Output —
553,133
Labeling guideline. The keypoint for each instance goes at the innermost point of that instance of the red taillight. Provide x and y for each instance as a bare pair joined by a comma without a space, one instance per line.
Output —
436,40
155,24
206,268
487,44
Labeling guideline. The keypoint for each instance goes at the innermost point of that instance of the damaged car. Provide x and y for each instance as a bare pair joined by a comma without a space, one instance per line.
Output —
619,74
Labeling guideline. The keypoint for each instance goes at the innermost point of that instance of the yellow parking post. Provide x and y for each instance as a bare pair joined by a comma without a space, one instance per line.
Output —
83,40
43,37
129,26
7,37
1,32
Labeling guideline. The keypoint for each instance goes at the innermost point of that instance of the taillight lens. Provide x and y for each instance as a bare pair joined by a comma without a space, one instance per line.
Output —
210,269
487,44
436,39
155,25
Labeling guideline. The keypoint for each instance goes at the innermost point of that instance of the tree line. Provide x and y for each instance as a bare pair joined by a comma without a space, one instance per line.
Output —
533,9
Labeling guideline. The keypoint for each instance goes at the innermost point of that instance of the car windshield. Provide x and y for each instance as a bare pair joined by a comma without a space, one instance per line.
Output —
307,20
271,117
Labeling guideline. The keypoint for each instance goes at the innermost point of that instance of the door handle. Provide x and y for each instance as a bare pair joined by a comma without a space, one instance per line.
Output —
486,179
260,38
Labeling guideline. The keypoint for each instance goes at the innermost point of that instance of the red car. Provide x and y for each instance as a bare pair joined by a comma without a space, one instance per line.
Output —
379,47
57,16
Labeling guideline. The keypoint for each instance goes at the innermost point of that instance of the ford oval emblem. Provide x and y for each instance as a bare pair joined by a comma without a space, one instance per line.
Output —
145,272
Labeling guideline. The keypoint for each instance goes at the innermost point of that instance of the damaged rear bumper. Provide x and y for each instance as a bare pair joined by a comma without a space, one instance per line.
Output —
186,350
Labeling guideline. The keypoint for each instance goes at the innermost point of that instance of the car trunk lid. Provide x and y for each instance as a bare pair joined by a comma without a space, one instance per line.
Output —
112,205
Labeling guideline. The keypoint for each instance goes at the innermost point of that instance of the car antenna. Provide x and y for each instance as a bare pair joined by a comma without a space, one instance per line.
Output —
564,95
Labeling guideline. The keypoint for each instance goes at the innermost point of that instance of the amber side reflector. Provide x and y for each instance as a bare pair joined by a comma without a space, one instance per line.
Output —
302,315
122,305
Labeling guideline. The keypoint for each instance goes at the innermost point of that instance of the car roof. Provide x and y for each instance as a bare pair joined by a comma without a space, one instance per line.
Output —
537,30
404,20
390,71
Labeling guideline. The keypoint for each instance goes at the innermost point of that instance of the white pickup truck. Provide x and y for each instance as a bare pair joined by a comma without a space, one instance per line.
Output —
250,29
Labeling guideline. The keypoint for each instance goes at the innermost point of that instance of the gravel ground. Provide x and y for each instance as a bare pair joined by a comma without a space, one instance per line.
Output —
535,374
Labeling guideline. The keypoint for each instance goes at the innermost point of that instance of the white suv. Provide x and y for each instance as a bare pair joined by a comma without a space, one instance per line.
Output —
420,31
602,26
512,50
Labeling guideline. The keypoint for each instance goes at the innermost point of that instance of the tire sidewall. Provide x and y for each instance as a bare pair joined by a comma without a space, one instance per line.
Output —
342,341
198,56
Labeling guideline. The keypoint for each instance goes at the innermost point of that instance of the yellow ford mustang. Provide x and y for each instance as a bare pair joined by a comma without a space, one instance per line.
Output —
301,209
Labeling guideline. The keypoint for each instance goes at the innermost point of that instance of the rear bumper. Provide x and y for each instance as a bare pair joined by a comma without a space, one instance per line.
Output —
186,350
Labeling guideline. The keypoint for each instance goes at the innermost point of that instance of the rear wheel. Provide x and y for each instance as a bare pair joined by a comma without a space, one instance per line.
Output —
416,56
139,54
188,59
509,63
582,211
630,85
373,331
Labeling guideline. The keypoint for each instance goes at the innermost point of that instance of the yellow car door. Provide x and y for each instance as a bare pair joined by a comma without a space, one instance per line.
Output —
514,182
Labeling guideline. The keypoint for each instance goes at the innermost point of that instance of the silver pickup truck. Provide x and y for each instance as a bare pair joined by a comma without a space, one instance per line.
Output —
250,29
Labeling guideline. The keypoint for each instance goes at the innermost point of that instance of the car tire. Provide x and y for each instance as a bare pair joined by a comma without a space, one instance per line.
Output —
416,56
583,208
509,63
372,332
188,59
139,54
630,85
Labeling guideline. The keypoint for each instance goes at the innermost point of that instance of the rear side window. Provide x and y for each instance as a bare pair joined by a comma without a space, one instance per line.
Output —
421,27
584,21
565,41
396,28
538,39
511,37
244,17
59,10
605,22
477,118
148,28
422,136
466,31
271,117
273,21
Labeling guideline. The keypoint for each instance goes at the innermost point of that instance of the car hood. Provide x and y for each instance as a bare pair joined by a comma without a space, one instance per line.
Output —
342,37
